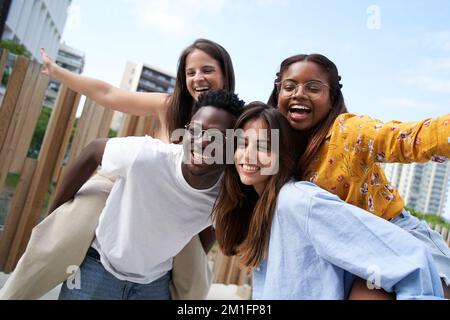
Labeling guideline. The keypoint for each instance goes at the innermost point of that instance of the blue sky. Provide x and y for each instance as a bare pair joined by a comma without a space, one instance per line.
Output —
393,56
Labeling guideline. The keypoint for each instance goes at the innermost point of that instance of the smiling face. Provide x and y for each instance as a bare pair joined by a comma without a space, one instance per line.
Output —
302,112
253,154
203,73
198,150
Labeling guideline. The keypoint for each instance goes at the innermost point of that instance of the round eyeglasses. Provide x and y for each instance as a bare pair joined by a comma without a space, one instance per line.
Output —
314,89
211,135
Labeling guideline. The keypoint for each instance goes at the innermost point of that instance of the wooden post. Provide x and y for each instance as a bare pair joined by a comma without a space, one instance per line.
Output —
91,131
94,123
233,271
448,238
444,233
78,142
3,60
14,215
227,270
105,124
28,123
55,140
129,126
243,277
20,134
218,262
13,90
138,126
142,127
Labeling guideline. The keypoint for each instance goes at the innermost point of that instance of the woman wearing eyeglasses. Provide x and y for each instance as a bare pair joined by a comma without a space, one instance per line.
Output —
301,241
344,151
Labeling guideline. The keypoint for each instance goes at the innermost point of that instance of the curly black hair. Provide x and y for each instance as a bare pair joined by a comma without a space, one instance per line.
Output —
221,99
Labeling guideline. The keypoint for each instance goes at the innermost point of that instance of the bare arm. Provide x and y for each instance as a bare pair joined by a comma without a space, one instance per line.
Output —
136,103
207,238
79,172
396,141
360,291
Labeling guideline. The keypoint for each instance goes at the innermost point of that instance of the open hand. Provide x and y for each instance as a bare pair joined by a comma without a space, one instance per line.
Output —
47,63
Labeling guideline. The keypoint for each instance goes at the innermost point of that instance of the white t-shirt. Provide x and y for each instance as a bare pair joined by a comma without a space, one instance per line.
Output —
152,212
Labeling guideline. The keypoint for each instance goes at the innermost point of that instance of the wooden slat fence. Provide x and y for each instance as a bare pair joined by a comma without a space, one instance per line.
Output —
19,113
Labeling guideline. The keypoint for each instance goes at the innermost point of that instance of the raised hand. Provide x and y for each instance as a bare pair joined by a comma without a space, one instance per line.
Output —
48,64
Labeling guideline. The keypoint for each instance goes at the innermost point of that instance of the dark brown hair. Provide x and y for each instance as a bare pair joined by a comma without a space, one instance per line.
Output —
242,219
221,99
315,136
181,102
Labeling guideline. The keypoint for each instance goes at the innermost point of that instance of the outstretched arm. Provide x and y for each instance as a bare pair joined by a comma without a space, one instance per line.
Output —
396,141
79,172
136,103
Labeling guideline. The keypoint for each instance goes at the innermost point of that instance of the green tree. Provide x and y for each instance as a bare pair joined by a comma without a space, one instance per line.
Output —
430,218
112,133
15,48
39,132
6,76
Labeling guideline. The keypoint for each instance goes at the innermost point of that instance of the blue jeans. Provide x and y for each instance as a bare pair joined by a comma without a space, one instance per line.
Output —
98,284
432,239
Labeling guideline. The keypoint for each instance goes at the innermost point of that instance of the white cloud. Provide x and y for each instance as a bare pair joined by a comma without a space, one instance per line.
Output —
73,22
175,17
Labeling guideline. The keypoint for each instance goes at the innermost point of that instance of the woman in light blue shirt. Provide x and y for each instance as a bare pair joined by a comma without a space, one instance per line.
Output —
301,241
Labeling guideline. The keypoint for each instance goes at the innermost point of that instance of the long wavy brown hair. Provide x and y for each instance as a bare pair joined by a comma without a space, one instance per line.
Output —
315,136
181,102
242,218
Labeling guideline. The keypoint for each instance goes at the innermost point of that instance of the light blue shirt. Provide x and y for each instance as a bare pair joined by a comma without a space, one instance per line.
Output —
318,242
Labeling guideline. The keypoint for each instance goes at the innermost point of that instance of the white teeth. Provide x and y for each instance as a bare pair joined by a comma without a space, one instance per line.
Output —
201,89
300,108
200,157
247,167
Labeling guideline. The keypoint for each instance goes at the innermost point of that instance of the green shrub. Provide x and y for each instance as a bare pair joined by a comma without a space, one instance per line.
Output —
430,218
15,48
39,133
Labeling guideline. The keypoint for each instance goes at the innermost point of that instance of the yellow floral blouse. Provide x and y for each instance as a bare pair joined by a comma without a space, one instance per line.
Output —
348,162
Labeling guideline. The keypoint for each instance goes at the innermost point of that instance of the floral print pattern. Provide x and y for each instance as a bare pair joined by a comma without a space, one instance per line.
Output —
348,161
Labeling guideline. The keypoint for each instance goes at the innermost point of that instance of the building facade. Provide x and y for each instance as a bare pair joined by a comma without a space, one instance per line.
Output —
37,24
68,58
423,186
143,77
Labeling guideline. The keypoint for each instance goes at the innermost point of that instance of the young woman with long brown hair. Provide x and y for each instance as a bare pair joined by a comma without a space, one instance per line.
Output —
203,66
301,241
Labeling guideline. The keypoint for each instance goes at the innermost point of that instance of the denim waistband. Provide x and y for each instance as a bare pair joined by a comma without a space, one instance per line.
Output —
93,253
